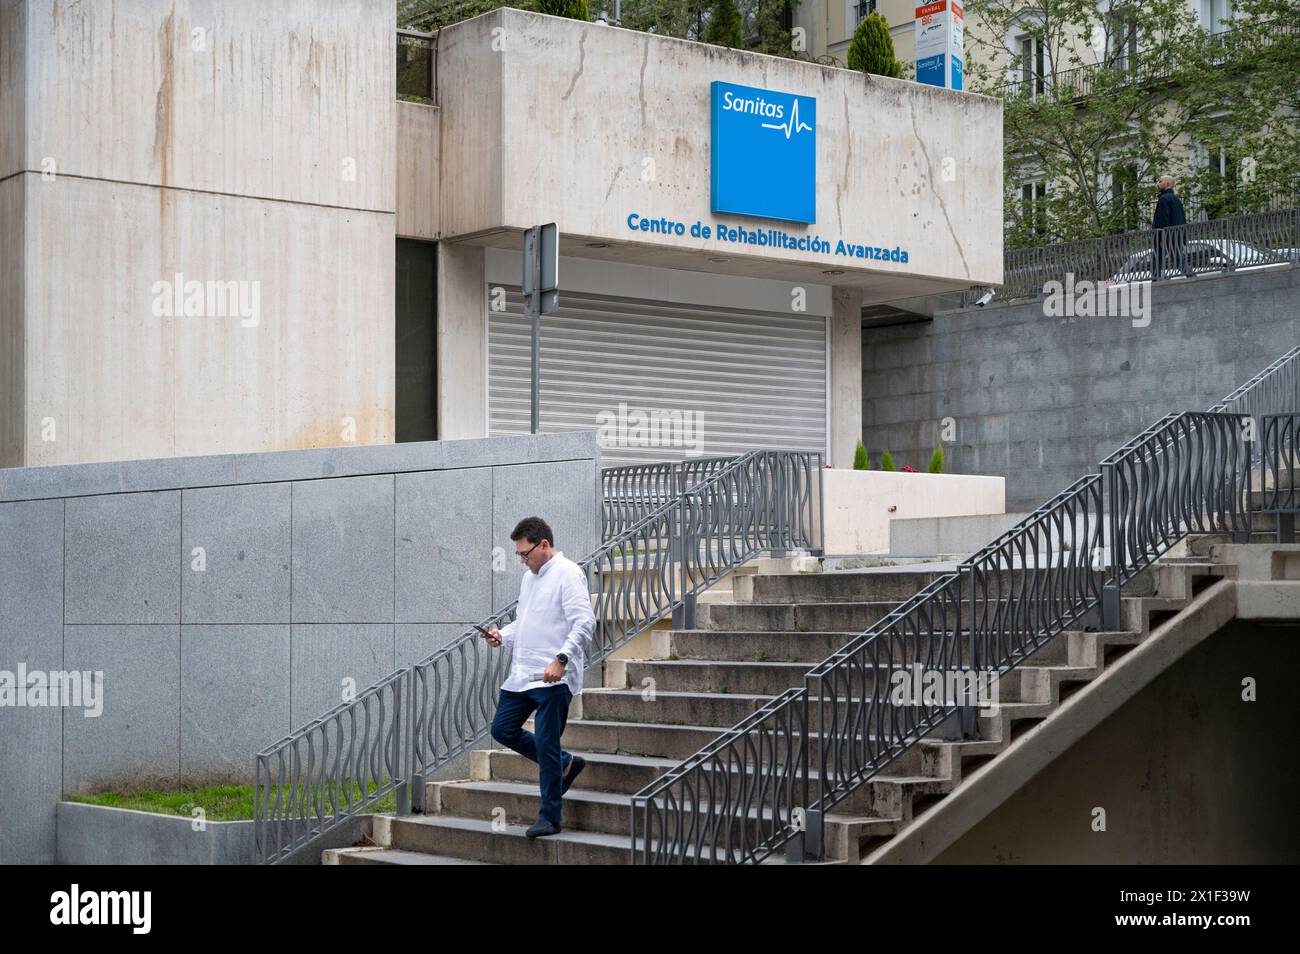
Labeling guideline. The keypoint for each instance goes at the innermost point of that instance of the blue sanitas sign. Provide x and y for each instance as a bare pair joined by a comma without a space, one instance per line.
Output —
764,153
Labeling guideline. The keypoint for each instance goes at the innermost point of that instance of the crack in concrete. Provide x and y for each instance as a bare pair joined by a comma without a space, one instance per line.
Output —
848,161
929,165
617,173
582,61
645,58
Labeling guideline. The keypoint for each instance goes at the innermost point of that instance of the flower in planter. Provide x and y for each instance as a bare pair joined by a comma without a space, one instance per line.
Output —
909,470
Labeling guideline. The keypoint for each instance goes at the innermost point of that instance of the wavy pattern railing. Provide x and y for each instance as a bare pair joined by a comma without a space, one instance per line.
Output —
395,734
1188,473
1275,390
760,785
331,770
1063,565
734,801
632,491
1281,458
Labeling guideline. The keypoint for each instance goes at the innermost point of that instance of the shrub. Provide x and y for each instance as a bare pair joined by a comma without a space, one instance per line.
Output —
887,461
936,461
872,49
573,9
860,461
724,25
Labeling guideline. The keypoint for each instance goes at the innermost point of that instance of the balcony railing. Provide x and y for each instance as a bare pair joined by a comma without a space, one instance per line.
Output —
1129,68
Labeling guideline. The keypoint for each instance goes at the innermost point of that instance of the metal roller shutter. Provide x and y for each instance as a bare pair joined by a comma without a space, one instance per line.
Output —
752,380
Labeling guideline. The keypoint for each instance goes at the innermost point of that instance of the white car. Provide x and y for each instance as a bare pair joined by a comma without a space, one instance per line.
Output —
1203,256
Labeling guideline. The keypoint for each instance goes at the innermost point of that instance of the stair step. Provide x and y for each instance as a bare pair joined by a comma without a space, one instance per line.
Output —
389,856
634,738
494,843
838,587
671,708
734,645
695,675
794,617
450,836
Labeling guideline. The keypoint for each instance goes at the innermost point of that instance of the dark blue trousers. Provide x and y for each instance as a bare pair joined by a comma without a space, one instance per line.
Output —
552,705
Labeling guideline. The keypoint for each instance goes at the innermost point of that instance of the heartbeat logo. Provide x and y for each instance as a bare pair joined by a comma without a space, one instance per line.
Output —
793,126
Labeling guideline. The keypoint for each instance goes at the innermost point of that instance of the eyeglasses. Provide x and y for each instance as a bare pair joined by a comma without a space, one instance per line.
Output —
524,554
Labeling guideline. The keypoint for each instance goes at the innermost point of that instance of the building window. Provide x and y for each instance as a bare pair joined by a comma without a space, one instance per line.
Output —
864,8
1214,14
1121,39
1219,197
1124,197
1032,62
1033,207
415,336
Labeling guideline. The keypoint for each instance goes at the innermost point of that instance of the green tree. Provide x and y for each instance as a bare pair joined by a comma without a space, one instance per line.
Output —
765,24
725,25
1165,94
936,461
872,48
573,9
860,457
887,461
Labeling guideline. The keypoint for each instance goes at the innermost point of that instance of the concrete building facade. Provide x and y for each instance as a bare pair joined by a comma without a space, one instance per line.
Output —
243,241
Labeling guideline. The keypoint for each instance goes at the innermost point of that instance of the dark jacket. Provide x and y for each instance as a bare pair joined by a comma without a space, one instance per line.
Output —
1169,211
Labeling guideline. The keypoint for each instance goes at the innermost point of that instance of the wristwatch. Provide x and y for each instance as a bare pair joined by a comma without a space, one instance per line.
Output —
564,660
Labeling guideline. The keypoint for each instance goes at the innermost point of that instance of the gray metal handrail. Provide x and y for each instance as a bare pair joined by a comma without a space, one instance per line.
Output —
1280,455
1271,391
1218,245
759,786
630,492
1190,473
644,573
396,733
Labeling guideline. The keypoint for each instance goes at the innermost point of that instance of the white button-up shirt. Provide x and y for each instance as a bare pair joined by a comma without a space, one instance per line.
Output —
554,616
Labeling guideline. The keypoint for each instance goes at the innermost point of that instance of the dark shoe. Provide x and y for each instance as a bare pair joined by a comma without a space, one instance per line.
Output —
576,765
543,827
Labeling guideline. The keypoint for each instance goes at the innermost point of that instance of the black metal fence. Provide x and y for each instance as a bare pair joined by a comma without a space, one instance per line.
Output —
1222,245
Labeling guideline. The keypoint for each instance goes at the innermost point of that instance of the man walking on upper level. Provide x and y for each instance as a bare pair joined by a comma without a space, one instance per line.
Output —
551,634
1170,216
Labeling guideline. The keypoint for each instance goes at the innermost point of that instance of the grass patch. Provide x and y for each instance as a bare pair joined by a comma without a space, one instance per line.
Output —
219,802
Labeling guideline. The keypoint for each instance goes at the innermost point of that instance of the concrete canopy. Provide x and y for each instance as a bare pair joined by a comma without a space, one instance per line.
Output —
546,119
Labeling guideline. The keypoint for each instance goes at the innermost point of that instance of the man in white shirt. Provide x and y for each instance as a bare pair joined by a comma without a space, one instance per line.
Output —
550,634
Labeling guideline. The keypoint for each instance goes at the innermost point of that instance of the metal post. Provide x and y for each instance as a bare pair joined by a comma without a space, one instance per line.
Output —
534,250
399,757
1243,536
1110,592
961,725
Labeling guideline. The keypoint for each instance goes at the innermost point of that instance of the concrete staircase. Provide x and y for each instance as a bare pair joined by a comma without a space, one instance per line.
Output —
667,697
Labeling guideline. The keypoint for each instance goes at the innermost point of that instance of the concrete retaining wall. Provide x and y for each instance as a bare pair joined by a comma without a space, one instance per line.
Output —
226,599
1187,771
861,503
1041,400
99,835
